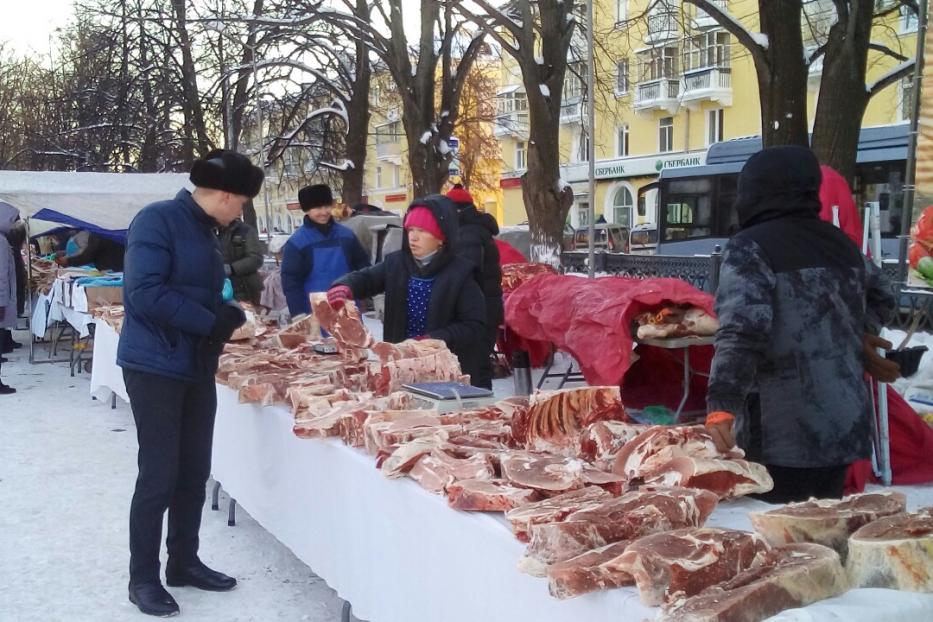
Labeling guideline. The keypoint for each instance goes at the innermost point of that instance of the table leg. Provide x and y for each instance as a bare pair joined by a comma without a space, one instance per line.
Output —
113,401
683,400
345,614
215,496
231,513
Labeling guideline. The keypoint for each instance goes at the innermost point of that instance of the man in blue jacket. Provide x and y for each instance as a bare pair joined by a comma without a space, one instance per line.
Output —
175,328
319,253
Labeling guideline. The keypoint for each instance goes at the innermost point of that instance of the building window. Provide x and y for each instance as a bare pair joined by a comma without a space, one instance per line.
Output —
521,156
379,177
621,10
583,146
622,204
714,120
710,49
666,134
907,98
658,63
908,19
396,176
583,213
574,84
376,95
623,140
662,21
388,133
622,77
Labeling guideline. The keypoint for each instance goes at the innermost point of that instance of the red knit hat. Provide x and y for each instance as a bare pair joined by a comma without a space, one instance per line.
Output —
459,194
422,217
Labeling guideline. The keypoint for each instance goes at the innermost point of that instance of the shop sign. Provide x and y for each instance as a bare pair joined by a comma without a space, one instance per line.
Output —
293,205
510,182
634,167
392,198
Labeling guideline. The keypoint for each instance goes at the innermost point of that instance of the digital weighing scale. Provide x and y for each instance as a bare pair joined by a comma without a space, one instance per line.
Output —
448,396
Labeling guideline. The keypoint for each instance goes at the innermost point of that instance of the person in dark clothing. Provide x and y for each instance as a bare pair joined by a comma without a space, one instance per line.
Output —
16,237
799,310
100,252
242,260
319,252
429,290
475,243
8,217
175,329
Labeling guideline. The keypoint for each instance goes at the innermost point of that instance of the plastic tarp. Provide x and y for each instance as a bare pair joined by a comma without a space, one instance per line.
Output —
101,202
592,318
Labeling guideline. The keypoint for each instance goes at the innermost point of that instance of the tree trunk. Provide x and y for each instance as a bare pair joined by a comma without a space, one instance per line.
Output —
547,205
782,75
358,117
843,97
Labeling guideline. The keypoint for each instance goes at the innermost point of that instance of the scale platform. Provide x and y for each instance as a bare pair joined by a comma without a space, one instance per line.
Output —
448,396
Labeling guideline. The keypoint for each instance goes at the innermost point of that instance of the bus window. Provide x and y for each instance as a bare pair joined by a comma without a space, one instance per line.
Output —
688,217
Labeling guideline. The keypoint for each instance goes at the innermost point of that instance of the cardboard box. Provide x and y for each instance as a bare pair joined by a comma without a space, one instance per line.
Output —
103,296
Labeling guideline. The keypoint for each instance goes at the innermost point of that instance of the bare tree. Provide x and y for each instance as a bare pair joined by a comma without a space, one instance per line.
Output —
524,29
479,148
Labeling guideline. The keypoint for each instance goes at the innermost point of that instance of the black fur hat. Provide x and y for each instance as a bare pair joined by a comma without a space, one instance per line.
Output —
317,195
228,171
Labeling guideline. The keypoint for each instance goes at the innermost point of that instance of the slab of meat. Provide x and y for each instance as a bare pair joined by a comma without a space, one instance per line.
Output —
408,349
553,509
515,274
554,474
393,427
894,552
634,514
474,495
726,478
302,331
601,441
344,324
327,422
687,561
441,366
438,470
676,321
792,575
656,446
554,422
829,522
588,572
408,454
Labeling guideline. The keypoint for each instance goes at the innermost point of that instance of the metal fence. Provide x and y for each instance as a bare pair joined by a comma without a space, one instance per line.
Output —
703,273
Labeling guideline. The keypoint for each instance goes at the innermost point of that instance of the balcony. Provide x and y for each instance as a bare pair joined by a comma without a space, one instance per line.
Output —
661,94
572,111
512,124
703,19
387,149
662,26
708,84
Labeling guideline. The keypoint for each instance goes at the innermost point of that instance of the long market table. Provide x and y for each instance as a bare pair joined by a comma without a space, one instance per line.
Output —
106,376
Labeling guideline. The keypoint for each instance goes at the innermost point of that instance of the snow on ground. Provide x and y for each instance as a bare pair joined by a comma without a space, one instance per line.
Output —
67,470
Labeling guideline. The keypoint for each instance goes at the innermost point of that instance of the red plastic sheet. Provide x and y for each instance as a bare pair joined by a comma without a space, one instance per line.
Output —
592,318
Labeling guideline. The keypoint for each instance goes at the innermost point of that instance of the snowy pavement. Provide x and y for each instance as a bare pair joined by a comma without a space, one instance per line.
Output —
67,470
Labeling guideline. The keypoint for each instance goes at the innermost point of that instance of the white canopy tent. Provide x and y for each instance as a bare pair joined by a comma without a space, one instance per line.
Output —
97,201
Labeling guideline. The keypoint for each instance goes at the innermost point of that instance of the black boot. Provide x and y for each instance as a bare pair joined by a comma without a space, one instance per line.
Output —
6,390
152,599
198,575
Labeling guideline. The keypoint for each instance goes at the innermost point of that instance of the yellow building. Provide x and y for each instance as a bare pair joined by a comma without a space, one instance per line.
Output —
668,87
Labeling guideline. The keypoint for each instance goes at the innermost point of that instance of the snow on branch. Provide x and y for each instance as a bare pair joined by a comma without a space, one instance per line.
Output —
889,77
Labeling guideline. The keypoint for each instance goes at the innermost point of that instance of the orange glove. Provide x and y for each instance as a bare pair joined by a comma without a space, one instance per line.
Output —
719,426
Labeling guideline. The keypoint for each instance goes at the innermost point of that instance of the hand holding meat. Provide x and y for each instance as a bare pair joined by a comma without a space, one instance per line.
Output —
878,367
338,296
229,318
719,426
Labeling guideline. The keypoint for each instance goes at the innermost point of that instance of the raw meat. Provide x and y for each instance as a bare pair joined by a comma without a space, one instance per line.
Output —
634,514
687,561
516,274
442,365
554,509
344,323
407,454
726,478
829,522
554,422
601,441
408,349
554,474
792,575
894,552
652,449
304,330
676,321
438,470
588,572
474,495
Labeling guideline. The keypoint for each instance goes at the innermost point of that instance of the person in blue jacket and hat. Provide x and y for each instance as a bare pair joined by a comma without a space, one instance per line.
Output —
320,252
175,328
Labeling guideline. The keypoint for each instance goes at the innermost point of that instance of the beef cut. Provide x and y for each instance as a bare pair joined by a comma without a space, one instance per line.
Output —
602,440
726,478
554,474
553,509
498,495
408,349
408,454
588,572
301,331
554,422
634,514
894,552
791,575
829,522
344,324
438,470
652,449
687,561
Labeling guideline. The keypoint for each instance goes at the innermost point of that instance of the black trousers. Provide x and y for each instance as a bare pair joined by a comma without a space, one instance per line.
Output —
793,484
175,430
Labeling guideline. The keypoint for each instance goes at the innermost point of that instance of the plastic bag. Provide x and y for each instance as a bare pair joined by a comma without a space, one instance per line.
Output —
227,292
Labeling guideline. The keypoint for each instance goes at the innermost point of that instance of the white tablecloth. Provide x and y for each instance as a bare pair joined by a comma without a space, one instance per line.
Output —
400,554
62,303
106,376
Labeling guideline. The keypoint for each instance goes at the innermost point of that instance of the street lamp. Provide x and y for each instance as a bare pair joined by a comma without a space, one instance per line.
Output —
219,27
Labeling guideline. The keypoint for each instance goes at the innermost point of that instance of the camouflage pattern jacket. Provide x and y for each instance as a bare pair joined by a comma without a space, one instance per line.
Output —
795,297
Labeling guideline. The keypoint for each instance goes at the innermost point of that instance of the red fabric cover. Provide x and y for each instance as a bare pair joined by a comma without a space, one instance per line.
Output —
911,449
459,194
835,191
422,218
509,254
592,318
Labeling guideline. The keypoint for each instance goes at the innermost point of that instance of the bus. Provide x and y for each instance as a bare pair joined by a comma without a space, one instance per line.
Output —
696,205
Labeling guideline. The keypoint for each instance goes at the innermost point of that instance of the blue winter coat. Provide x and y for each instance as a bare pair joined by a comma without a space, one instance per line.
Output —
314,257
173,276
